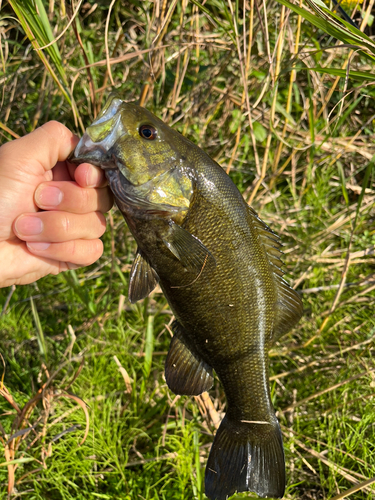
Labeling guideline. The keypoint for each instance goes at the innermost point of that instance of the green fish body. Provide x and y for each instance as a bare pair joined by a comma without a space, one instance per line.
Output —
219,267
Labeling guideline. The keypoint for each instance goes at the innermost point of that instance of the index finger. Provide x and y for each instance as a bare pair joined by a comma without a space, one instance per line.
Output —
89,176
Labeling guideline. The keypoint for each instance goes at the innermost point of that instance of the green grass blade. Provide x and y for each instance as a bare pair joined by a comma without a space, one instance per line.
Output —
311,126
34,20
215,18
33,17
39,330
81,290
149,346
121,275
24,460
343,182
346,115
331,27
361,76
368,173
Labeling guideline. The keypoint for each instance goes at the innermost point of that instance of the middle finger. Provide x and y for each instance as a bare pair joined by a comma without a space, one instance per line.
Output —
55,227
70,197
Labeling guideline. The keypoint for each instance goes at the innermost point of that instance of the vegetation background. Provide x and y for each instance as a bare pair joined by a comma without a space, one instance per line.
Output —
282,96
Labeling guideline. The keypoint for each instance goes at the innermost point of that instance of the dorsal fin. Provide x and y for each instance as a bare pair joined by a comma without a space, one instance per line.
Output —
289,308
289,305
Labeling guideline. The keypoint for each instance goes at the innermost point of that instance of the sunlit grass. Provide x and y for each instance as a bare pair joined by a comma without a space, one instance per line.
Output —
289,113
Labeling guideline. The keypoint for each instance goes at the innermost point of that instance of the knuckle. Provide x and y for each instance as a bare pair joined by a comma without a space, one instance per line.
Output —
56,269
99,247
102,223
7,146
65,224
85,253
72,266
63,266
96,250
85,199
55,128
73,250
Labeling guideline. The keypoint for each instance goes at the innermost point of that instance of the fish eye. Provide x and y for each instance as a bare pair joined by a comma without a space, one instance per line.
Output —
148,132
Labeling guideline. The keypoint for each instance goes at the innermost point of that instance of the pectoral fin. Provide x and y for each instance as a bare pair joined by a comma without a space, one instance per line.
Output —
143,279
185,372
187,248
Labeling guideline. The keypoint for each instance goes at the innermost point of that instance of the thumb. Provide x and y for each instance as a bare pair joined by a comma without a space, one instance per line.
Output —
40,150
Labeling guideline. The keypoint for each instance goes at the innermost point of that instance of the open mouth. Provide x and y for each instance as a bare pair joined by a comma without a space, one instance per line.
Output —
100,137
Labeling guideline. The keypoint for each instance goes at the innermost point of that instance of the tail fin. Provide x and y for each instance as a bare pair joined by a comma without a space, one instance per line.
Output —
246,456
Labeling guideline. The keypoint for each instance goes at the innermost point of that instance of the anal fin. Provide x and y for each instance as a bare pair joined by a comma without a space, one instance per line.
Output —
185,372
143,278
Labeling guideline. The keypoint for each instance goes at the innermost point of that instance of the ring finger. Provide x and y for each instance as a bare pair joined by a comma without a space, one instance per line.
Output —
56,227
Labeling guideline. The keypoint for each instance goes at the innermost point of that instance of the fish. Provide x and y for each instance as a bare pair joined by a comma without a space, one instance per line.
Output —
219,267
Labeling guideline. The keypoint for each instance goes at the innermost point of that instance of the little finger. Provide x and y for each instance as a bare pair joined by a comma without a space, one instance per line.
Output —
77,252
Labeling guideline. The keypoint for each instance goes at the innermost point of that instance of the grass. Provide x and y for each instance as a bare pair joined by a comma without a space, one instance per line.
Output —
284,101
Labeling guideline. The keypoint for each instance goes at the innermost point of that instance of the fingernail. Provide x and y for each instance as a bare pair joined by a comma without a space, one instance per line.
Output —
37,246
48,196
29,226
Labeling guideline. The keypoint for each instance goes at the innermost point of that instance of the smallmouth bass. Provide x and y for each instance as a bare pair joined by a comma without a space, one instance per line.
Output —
219,267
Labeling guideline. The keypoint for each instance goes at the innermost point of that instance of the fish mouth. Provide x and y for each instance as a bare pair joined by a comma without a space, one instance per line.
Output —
95,144
99,146
96,153
88,151
131,199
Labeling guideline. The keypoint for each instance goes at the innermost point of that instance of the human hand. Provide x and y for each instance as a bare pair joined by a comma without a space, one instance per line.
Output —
35,176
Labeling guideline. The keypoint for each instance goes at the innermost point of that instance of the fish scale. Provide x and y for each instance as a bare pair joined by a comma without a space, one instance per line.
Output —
219,267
